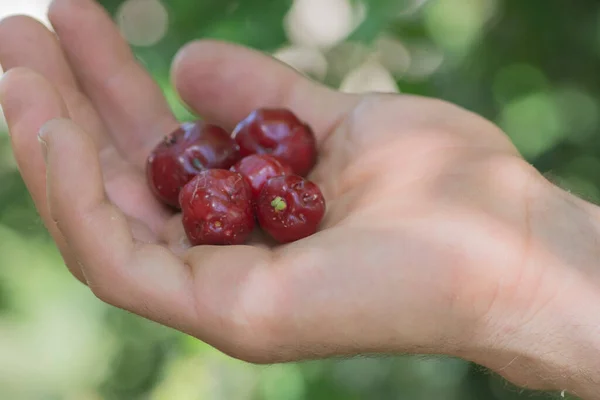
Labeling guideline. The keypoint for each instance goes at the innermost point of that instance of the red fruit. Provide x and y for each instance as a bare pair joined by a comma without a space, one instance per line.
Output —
217,208
290,208
257,169
278,132
192,148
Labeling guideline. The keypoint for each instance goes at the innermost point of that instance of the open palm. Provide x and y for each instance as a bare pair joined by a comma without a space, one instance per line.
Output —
408,181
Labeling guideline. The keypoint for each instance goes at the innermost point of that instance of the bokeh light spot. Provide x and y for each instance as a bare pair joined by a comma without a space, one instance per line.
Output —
516,80
369,77
282,382
312,23
425,60
456,25
581,113
393,55
307,60
410,7
533,122
143,22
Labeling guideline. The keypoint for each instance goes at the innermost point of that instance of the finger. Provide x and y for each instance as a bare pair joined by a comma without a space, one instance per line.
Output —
145,279
28,101
225,82
129,101
25,42
216,293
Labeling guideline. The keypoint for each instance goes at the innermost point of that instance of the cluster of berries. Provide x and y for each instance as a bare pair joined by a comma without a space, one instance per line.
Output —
225,184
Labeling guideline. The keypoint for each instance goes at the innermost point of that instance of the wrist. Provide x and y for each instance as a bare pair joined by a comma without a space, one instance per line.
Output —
546,333
557,350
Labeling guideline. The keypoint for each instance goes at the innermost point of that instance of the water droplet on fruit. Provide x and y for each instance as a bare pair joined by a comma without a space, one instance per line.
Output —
309,198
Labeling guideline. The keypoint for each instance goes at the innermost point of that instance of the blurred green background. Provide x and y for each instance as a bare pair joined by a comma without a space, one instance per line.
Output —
530,66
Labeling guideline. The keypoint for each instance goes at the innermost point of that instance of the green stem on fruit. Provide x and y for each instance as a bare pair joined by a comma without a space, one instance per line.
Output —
279,204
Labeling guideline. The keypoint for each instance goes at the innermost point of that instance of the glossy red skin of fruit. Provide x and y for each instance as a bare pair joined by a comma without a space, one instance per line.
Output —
278,132
217,208
290,208
257,169
192,148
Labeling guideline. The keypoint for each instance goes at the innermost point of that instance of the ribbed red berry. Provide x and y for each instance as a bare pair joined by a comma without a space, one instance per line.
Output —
257,169
217,208
290,208
280,133
192,148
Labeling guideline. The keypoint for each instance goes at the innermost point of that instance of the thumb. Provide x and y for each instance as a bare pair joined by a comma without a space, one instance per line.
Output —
224,82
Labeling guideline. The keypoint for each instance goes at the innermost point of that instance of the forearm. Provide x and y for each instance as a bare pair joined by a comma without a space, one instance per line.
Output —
548,335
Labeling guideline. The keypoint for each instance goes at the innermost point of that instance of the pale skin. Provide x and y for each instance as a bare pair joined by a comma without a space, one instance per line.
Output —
439,237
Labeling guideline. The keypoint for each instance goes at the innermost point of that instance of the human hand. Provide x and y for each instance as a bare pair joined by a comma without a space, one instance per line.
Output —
432,243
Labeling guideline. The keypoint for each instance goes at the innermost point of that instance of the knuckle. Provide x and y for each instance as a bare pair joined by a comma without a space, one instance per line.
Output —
251,353
75,267
258,332
256,341
101,284
103,293
100,291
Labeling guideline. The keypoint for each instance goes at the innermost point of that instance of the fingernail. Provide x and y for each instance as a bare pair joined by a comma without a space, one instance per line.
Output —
43,144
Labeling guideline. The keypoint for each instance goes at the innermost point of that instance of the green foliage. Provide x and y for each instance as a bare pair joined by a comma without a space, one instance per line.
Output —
530,66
